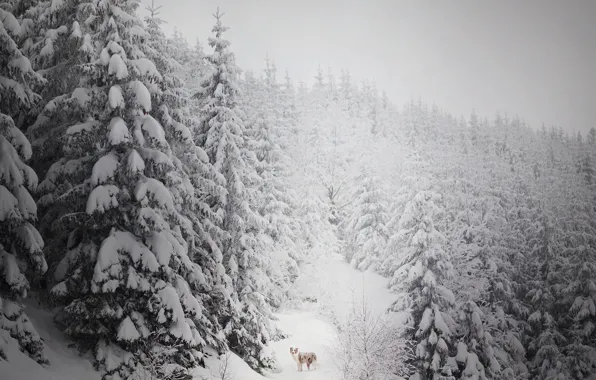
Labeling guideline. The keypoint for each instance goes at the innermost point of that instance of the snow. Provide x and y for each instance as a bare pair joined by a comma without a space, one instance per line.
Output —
184,133
20,141
125,241
152,128
81,95
117,67
164,245
65,362
76,30
8,204
171,301
115,48
28,235
146,67
440,323
102,198
181,329
10,23
462,352
87,45
150,219
104,169
137,31
425,321
127,331
191,304
82,127
310,327
13,276
142,96
48,48
17,88
135,162
155,156
111,355
159,193
118,131
56,5
115,97
21,63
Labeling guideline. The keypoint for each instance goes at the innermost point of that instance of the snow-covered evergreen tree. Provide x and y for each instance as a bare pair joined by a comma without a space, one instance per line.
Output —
545,356
276,204
175,113
125,274
21,256
366,228
226,142
422,297
56,45
579,293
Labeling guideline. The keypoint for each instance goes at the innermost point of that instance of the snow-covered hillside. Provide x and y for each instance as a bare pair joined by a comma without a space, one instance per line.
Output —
328,280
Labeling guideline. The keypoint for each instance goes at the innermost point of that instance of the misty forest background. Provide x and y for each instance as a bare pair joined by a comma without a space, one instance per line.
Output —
160,200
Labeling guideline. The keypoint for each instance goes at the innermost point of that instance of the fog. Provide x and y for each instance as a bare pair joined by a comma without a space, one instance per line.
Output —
532,58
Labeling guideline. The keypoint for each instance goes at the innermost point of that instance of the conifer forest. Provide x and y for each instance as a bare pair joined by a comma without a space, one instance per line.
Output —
168,215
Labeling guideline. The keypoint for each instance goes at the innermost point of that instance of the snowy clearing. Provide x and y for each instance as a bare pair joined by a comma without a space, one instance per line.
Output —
333,283
328,279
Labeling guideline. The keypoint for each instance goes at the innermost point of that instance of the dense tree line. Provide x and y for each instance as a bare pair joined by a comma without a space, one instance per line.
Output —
161,199
161,209
485,229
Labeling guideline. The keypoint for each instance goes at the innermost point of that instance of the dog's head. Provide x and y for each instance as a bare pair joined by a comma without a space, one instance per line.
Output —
293,351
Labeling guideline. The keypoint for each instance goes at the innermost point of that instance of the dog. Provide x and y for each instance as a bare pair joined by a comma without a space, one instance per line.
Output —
310,358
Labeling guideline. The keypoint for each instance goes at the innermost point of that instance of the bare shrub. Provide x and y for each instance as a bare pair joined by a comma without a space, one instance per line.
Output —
370,346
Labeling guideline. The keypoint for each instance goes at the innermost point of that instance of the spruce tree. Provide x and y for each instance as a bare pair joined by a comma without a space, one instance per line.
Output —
21,256
227,144
422,296
125,277
366,227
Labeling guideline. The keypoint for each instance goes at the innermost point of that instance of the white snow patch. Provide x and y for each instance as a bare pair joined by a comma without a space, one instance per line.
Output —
117,67
102,198
82,127
145,67
127,331
152,128
135,162
118,131
150,187
8,204
104,169
65,362
115,97
142,96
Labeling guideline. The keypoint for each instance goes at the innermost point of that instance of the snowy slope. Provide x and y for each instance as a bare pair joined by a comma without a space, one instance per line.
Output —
65,362
333,283
328,279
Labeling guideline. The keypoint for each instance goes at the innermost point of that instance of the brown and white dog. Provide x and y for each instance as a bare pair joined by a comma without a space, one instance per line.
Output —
308,358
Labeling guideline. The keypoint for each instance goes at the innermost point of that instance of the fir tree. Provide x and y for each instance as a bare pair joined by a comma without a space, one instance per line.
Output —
125,276
423,298
227,145
21,256
366,226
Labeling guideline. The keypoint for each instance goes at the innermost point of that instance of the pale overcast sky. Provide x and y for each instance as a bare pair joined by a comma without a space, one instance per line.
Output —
536,58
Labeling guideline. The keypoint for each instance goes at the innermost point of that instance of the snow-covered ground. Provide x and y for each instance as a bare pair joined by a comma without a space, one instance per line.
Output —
327,279
66,363
333,284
